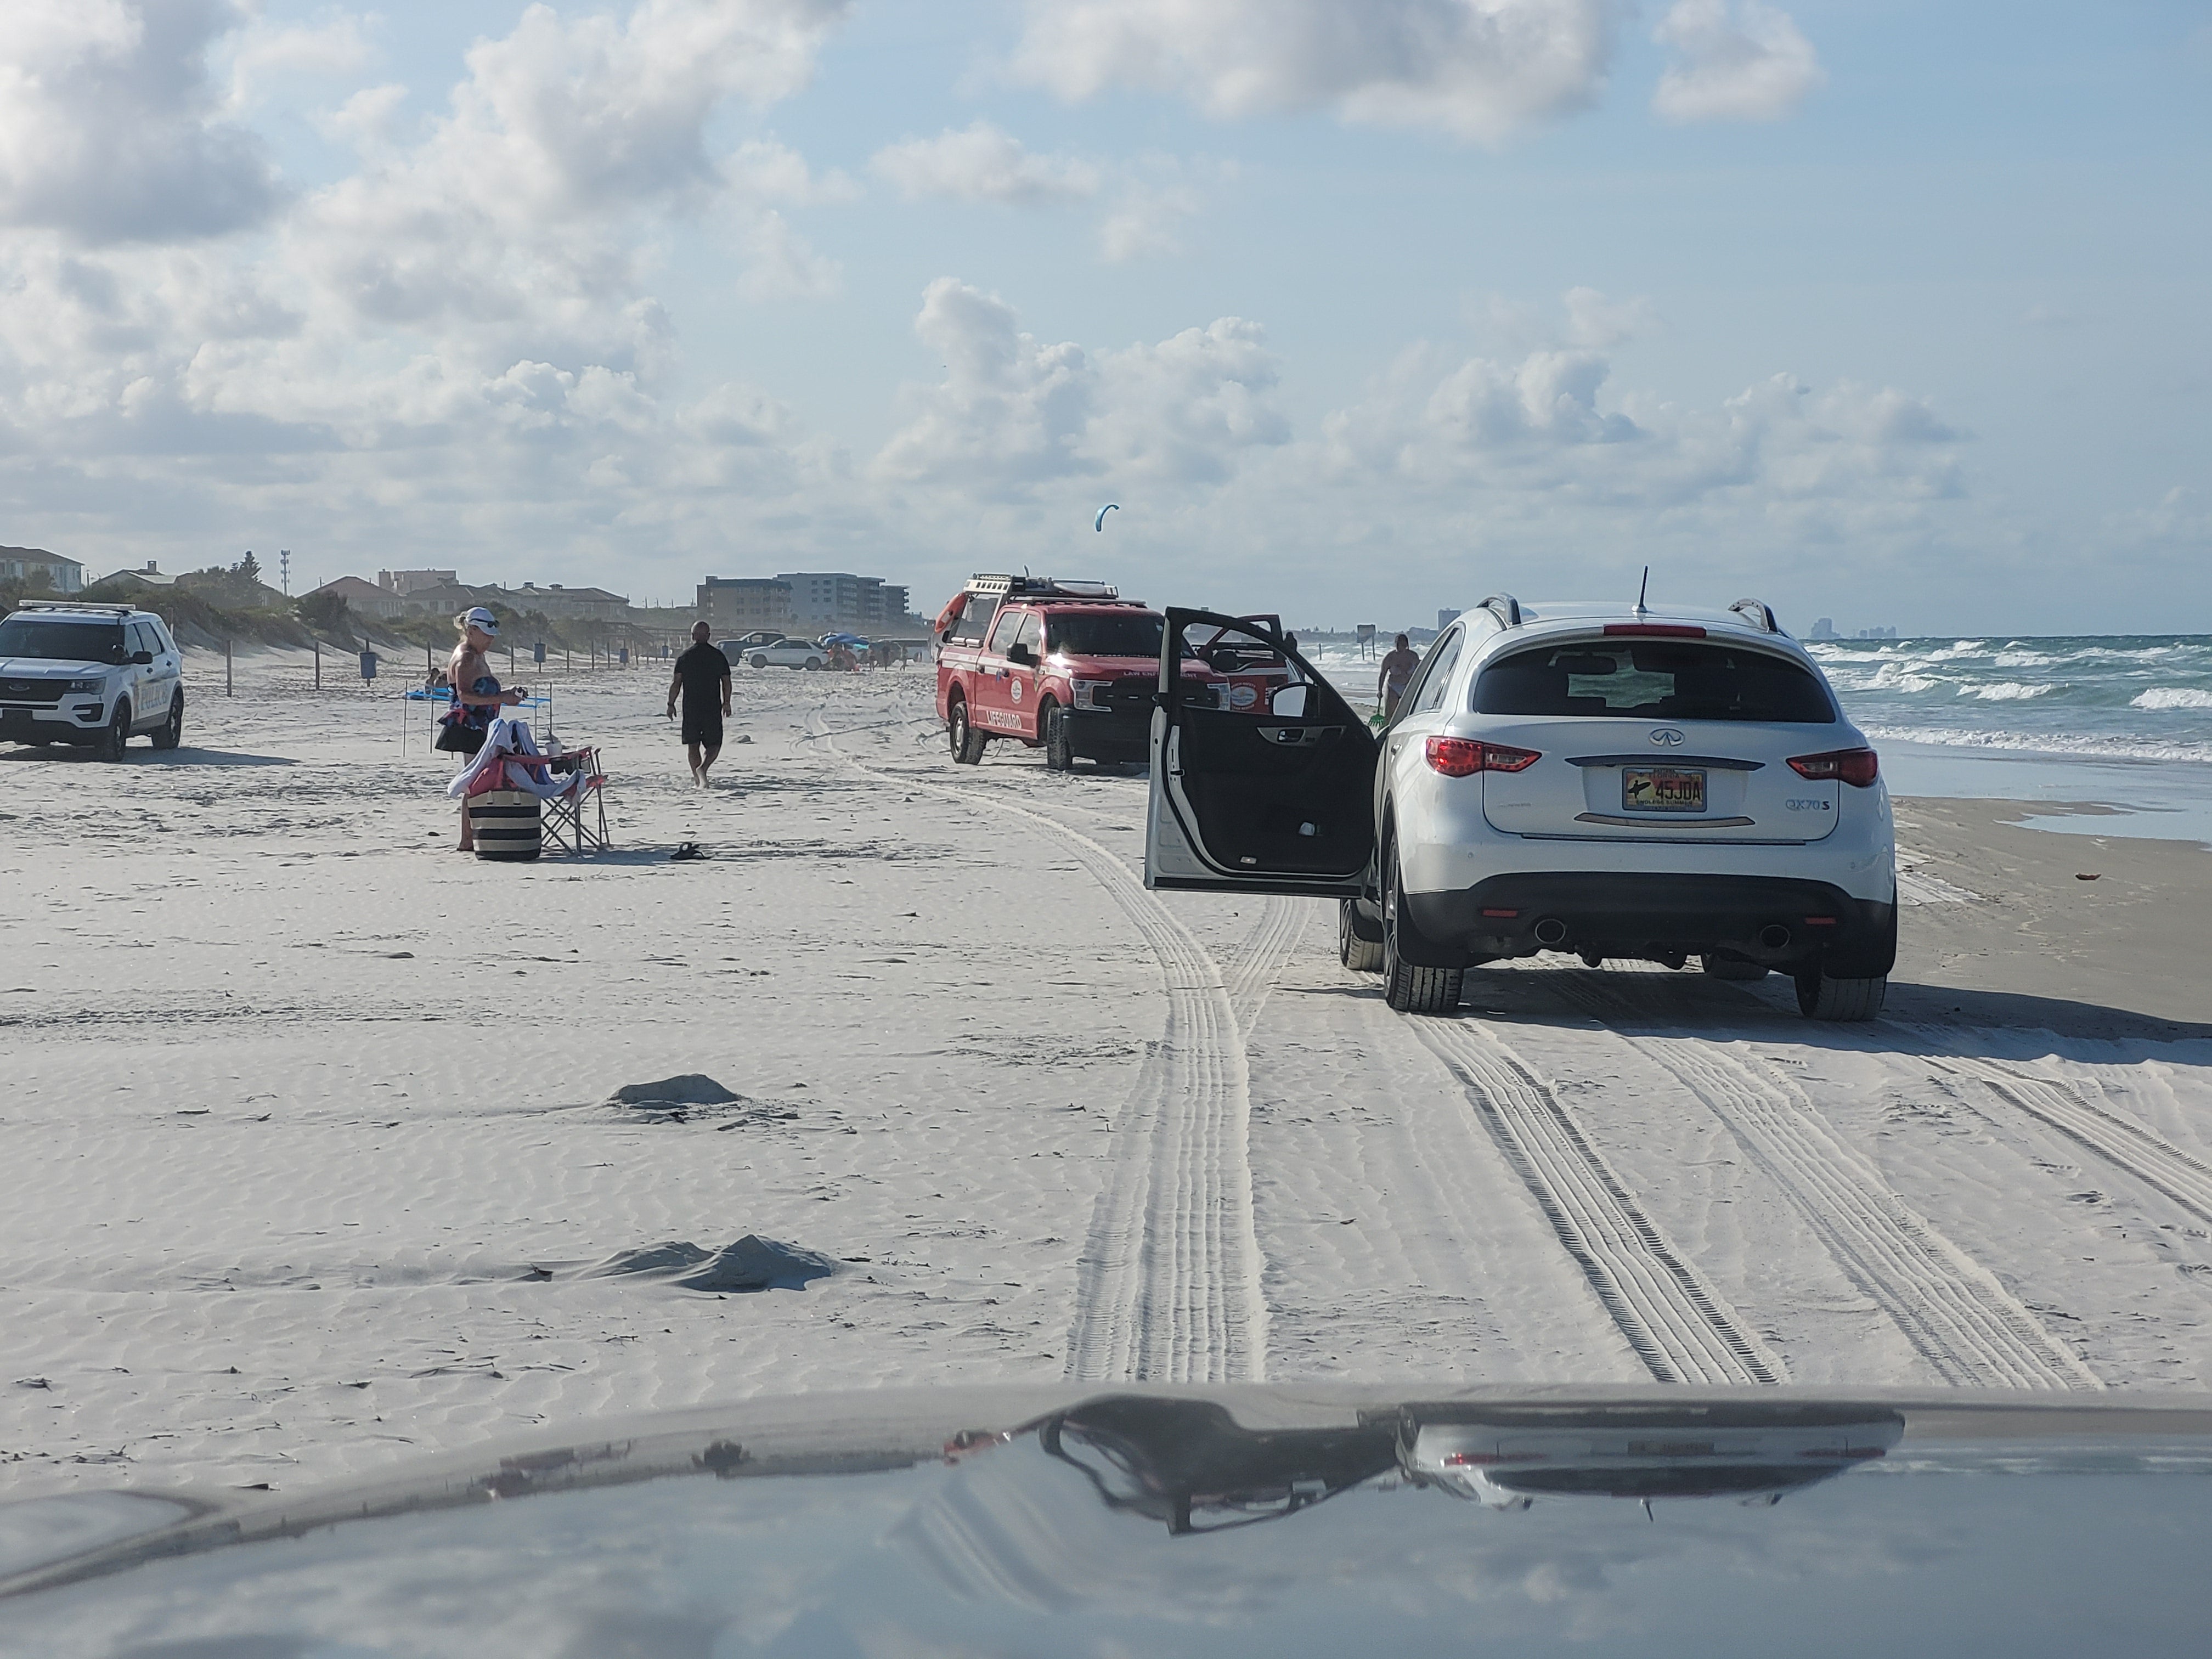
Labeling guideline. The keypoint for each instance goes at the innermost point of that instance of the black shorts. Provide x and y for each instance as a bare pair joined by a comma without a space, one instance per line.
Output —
703,726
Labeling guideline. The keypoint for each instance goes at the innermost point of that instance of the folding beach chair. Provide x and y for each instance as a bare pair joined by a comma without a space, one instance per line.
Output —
580,813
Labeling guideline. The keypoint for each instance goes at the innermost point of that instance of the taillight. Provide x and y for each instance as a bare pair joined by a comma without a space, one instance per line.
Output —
1654,630
1856,767
1460,758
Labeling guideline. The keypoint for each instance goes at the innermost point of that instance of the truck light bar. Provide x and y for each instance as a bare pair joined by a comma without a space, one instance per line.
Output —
1041,587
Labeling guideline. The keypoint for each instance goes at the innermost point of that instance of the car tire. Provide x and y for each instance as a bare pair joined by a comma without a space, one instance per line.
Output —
760,662
1730,967
1409,989
1361,956
108,745
172,729
1059,743
967,742
813,664
1822,997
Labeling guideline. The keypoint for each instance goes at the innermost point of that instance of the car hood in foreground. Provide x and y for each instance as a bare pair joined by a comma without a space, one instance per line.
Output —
49,668
1304,1520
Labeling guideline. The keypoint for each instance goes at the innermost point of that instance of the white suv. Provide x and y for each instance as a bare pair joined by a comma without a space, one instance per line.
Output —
1595,781
92,675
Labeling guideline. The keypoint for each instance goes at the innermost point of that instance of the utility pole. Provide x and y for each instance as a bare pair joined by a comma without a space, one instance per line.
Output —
284,563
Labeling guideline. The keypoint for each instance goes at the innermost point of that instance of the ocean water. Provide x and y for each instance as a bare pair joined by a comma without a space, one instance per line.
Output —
2114,697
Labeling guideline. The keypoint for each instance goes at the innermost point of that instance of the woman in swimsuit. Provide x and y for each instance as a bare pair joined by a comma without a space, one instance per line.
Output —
476,694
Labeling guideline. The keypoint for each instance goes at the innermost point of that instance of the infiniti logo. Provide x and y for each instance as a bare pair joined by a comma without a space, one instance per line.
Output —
1668,736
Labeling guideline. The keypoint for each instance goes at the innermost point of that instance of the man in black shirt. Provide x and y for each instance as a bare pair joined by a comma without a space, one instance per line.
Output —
702,675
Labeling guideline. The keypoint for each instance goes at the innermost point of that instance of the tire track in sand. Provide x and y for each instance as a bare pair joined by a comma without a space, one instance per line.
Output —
2129,1147
1954,1311
1259,961
1168,1287
1677,1323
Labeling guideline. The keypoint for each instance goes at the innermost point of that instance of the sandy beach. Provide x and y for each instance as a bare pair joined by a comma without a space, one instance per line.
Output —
311,1159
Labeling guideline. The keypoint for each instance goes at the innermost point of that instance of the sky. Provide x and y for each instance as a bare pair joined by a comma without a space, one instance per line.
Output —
1894,313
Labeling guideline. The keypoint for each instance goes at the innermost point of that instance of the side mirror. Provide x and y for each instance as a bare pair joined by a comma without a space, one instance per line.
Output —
1289,703
1021,654
142,657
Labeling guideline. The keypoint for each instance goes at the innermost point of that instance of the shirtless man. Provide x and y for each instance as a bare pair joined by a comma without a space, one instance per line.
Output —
1397,673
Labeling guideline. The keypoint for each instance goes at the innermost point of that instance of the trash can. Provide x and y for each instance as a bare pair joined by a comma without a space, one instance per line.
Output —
506,824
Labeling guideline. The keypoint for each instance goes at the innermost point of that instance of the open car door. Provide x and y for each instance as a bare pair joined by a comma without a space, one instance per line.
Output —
1262,776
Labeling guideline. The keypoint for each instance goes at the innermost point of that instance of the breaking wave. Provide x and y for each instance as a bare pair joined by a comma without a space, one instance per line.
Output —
2173,697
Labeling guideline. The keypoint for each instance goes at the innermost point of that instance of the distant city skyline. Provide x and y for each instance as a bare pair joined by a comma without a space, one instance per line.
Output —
1360,308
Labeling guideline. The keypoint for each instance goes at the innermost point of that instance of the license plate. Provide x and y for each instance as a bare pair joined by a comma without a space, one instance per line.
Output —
1662,789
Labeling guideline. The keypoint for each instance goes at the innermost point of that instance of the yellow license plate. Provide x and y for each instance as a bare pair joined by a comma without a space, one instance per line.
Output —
1662,789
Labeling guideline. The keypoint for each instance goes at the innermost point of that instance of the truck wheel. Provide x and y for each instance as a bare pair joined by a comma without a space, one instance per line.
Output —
1820,997
1730,968
1408,989
1362,956
173,729
109,745
967,742
1058,751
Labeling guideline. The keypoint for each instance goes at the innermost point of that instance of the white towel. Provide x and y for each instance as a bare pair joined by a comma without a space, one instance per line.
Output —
504,741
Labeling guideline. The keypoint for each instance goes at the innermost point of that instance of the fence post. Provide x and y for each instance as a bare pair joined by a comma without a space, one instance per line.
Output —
318,665
227,683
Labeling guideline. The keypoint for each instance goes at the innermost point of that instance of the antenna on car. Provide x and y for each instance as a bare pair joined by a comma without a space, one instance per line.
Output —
1644,588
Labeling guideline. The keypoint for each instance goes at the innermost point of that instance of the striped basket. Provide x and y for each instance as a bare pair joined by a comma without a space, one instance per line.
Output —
505,823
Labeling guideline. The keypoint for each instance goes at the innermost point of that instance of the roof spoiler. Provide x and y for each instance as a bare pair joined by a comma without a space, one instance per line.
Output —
1504,607
1758,614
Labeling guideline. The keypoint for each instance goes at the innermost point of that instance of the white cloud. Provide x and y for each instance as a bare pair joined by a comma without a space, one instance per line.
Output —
983,164
109,131
457,344
262,55
1475,69
1600,324
1733,60
780,266
1546,427
1013,412
1148,213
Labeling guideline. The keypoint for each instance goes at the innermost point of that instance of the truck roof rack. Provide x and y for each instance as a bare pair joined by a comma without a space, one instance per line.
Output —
1758,614
1504,607
74,604
1041,587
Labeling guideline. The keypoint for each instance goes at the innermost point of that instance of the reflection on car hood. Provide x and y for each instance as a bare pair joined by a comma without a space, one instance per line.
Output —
49,668
1315,1519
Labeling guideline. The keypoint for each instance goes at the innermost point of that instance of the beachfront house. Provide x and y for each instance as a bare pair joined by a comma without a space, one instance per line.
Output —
35,567
364,598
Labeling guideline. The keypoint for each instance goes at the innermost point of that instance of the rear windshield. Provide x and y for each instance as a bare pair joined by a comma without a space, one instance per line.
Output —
61,641
1103,633
1654,679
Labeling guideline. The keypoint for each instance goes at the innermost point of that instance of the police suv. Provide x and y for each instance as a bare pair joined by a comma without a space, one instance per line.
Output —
94,676
1601,781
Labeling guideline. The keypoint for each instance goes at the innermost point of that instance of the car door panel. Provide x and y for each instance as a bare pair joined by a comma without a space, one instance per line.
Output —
1272,797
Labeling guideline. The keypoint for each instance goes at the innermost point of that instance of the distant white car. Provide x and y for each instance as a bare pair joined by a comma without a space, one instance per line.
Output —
94,676
779,654
1603,781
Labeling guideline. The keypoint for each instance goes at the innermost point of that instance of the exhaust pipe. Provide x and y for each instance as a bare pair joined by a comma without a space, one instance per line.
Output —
1774,938
1551,931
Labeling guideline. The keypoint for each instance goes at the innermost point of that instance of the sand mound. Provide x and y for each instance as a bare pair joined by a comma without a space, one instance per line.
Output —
753,1263
692,1089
